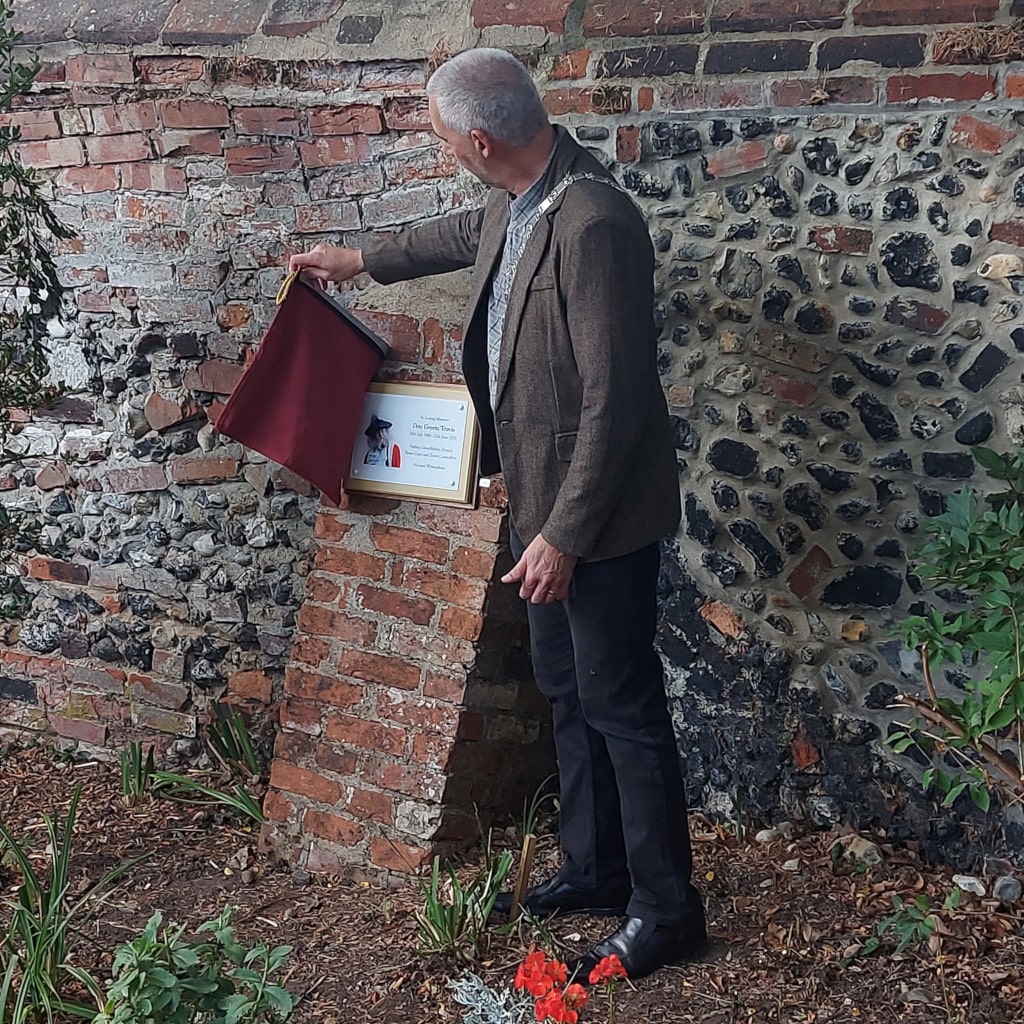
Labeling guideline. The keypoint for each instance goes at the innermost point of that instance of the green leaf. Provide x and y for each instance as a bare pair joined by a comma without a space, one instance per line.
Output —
980,796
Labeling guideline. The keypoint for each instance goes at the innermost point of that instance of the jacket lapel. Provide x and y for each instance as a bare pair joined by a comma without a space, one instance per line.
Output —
489,249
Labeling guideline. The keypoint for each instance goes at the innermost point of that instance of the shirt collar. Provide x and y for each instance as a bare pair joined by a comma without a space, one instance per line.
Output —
534,194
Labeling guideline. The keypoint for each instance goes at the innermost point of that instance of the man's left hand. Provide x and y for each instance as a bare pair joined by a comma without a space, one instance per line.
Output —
544,573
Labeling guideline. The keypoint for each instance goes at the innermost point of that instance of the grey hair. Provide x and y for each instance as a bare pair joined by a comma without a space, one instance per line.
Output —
490,91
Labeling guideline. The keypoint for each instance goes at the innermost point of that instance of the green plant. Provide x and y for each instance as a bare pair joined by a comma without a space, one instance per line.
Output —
161,978
229,738
191,791
454,916
136,773
44,928
914,923
974,554
31,297
533,805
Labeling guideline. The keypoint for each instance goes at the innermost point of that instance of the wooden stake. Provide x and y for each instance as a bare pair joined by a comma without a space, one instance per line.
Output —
523,878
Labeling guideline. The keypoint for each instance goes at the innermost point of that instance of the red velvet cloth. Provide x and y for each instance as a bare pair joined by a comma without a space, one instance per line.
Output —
300,402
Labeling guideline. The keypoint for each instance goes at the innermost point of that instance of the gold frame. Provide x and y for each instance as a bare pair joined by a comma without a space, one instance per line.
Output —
464,494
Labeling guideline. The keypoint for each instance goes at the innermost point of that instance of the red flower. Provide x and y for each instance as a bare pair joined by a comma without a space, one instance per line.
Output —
537,975
556,971
553,1007
575,998
609,968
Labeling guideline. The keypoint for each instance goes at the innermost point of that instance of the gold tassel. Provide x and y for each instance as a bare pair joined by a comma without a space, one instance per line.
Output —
282,292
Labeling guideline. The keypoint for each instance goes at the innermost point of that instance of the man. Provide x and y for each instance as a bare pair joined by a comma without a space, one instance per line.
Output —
560,359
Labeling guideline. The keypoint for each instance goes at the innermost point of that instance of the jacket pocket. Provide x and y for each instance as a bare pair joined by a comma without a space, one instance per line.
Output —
564,445
542,283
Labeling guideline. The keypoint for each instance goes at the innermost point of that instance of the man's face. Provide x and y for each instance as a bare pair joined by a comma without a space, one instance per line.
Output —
470,150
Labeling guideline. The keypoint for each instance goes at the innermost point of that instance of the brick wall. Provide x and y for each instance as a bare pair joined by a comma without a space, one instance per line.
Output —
789,157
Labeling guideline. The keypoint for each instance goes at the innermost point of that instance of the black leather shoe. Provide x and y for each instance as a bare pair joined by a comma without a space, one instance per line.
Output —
644,946
557,898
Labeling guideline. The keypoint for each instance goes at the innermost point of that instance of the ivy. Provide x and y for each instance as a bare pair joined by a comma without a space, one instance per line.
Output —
31,296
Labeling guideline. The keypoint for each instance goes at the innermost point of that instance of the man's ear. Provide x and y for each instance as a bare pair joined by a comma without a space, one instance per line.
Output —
482,143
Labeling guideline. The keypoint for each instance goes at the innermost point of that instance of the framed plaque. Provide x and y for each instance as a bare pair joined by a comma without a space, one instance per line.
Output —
417,441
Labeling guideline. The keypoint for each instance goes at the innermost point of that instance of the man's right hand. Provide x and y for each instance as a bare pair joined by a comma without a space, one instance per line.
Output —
325,263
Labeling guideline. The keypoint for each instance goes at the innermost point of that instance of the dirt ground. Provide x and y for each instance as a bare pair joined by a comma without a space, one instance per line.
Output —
788,920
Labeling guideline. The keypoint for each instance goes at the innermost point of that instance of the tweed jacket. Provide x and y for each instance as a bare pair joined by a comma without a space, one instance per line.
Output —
580,428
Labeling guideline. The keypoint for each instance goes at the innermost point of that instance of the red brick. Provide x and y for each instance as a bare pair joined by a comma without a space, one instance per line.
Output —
215,375
434,749
117,149
87,180
627,144
79,729
366,805
251,685
871,13
124,117
461,623
918,316
332,216
100,68
51,73
277,807
335,829
427,547
980,136
303,782
368,505
355,119
778,16
833,238
407,114
162,694
548,14
889,50
268,159
329,527
358,732
481,524
349,563
194,114
323,591
321,689
415,781
162,413
446,686
233,315
570,65
740,159
266,121
401,332
808,92
335,150
337,625
445,586
188,143
200,22
171,70
42,568
648,62
294,746
714,96
152,177
813,568
310,651
789,389
32,125
474,562
400,606
910,88
396,856
300,716
341,762
174,723
57,474
1009,231
136,479
419,165
204,469
736,58
645,98
723,618
379,669
52,153
643,17
604,99
393,76
1015,87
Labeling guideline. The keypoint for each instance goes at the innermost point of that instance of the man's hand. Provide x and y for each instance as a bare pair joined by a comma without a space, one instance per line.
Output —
326,263
544,573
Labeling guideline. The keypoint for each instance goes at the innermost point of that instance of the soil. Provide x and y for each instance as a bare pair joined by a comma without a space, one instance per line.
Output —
789,920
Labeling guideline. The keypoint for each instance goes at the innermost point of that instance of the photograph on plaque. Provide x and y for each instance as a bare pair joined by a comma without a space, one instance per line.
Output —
416,441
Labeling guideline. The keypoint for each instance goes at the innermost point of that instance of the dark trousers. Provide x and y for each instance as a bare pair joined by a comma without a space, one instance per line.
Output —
623,805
